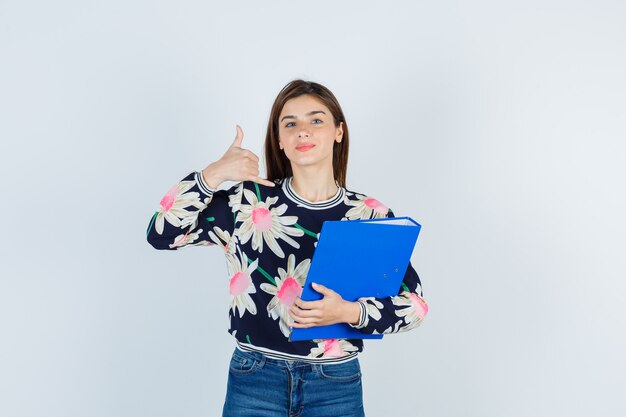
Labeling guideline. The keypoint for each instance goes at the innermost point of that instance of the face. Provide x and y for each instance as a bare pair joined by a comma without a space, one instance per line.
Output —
307,132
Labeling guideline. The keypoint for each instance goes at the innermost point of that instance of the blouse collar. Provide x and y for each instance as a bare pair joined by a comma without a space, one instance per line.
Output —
315,205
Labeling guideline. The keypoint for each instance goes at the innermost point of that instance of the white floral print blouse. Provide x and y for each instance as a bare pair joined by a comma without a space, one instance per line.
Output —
268,235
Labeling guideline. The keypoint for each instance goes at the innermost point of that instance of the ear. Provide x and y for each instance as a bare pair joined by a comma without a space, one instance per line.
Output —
339,133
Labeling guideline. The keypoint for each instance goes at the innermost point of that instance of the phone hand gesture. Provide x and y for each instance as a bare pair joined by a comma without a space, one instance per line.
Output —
237,164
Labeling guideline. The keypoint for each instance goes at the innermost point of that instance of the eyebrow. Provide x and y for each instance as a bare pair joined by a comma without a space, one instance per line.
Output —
308,114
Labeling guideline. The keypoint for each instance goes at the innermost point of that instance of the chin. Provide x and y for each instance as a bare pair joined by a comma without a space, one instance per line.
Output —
303,159
307,159
302,163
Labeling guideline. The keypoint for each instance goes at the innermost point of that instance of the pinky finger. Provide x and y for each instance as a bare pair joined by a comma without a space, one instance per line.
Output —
263,181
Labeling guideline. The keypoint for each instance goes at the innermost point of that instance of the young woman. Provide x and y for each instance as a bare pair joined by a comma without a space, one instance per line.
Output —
268,230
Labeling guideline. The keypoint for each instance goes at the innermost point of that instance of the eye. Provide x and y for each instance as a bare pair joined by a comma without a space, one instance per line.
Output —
319,120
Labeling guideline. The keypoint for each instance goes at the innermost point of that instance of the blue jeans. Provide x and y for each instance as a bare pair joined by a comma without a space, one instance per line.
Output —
260,386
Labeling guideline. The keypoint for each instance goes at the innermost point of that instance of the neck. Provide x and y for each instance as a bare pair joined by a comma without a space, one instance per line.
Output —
314,184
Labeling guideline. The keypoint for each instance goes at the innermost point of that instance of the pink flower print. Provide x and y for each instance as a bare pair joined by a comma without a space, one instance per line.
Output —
376,205
365,208
331,348
288,292
239,283
173,206
288,286
412,307
262,219
264,224
420,305
168,199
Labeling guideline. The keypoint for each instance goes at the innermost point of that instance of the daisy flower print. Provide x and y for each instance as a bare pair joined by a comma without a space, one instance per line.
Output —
263,223
365,208
187,239
221,238
240,283
412,316
288,287
234,200
331,348
373,307
173,206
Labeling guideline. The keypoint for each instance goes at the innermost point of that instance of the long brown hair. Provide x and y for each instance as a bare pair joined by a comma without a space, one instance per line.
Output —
276,162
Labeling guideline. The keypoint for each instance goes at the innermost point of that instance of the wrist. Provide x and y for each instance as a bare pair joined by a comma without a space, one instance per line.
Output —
210,176
353,312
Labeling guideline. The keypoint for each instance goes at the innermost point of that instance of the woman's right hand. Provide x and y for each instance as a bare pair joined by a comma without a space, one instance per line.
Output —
237,164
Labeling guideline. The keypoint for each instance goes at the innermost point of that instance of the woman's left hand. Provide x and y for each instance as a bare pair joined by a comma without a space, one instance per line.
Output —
329,310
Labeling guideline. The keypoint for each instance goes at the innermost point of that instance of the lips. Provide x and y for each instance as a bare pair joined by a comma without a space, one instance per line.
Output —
304,147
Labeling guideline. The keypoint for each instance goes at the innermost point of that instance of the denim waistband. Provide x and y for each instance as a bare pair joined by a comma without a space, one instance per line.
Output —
285,362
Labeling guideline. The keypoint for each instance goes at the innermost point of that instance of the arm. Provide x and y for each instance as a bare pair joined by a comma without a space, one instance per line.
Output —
394,314
194,213
372,315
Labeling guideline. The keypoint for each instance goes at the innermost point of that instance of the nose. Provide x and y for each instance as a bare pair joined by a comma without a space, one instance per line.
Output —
304,133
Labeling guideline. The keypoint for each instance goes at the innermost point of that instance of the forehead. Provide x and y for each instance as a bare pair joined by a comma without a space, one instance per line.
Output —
299,106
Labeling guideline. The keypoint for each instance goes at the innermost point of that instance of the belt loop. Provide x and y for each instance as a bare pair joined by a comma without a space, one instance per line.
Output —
261,360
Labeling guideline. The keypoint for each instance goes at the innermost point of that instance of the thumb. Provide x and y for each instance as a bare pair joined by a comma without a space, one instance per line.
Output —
238,137
322,289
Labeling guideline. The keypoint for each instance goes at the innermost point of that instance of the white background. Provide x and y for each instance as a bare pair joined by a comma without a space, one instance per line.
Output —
499,126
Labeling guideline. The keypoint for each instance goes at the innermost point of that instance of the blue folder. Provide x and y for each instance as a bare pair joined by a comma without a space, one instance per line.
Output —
358,258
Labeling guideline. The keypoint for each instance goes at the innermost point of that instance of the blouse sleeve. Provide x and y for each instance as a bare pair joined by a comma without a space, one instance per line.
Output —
394,314
192,213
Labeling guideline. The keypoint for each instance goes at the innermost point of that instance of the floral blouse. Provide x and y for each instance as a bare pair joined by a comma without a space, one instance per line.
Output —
268,235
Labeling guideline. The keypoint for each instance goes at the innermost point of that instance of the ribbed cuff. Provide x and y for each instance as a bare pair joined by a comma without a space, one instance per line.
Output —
204,187
362,317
